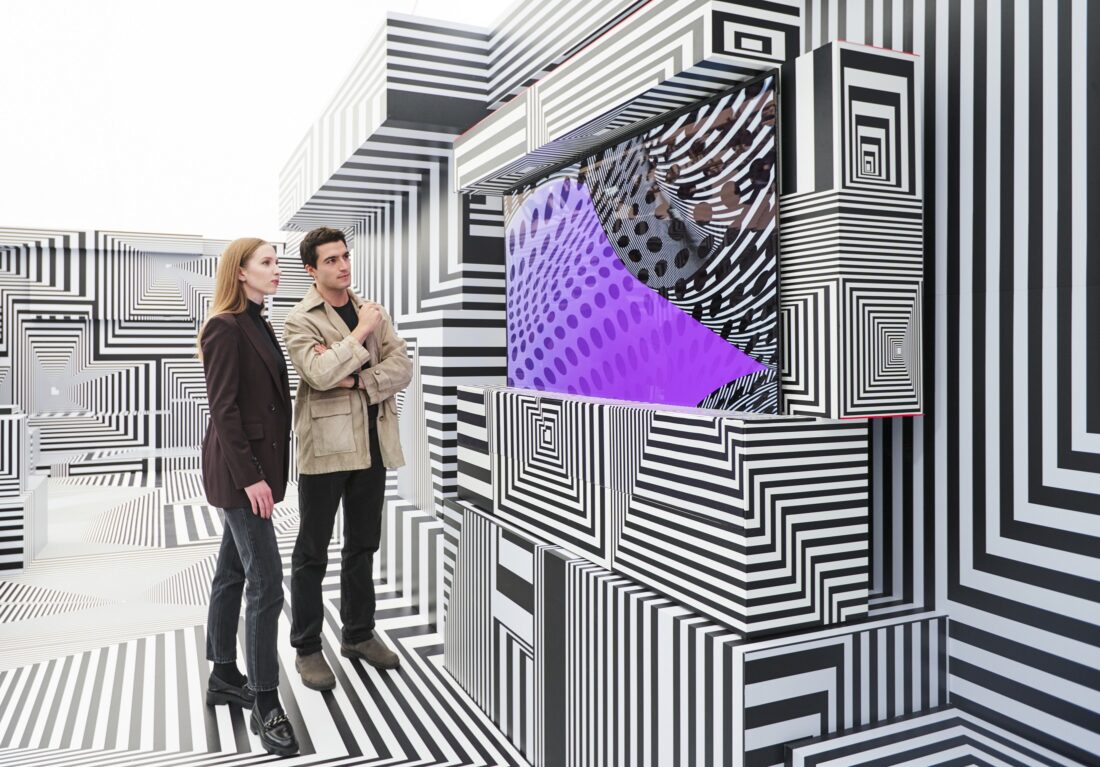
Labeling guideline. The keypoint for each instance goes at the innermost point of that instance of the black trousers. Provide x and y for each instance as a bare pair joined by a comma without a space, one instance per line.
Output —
363,494
248,561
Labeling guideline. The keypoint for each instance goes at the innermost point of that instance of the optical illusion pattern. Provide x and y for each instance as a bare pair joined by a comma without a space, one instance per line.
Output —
851,233
693,50
651,274
947,736
580,665
431,257
998,483
140,701
759,524
22,494
992,76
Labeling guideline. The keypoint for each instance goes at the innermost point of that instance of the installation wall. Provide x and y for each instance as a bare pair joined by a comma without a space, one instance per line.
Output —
1001,478
648,271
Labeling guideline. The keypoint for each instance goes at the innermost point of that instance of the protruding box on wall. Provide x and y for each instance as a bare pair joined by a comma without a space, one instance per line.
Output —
758,522
580,665
13,451
680,52
22,493
851,233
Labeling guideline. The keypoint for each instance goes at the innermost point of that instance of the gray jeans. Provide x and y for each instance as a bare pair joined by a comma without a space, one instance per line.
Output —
249,554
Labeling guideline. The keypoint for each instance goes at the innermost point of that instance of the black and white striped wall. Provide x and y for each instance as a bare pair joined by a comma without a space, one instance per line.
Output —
986,507
758,523
98,347
851,213
579,665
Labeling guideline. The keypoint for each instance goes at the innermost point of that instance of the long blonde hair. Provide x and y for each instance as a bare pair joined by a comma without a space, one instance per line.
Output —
229,295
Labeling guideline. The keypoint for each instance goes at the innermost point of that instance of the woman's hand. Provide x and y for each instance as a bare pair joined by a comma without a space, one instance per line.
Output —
259,495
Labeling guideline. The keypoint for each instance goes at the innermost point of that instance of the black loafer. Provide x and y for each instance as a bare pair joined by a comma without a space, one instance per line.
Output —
276,733
218,691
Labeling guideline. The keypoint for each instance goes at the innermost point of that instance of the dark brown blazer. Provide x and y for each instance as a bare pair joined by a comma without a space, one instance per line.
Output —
249,434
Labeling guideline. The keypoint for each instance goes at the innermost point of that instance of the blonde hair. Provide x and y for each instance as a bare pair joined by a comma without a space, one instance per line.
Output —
229,295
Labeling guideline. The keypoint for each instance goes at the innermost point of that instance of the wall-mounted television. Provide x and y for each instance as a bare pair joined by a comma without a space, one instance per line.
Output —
648,270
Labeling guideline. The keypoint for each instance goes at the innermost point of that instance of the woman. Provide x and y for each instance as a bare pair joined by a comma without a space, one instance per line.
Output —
245,462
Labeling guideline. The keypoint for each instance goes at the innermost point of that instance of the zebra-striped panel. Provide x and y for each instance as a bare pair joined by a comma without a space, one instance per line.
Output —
13,451
547,465
758,522
680,51
526,45
99,333
552,472
761,525
489,644
473,448
851,233
946,736
23,530
627,676
647,681
435,261
827,682
989,500
414,73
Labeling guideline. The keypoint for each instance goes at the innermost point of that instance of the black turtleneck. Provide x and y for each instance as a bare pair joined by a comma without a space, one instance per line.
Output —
255,311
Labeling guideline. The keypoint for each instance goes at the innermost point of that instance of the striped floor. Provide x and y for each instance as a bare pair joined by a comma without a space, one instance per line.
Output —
102,647
944,738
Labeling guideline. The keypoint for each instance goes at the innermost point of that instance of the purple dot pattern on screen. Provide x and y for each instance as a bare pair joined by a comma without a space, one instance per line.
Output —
599,330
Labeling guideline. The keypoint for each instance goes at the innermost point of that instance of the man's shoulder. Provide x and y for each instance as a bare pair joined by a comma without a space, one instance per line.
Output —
302,309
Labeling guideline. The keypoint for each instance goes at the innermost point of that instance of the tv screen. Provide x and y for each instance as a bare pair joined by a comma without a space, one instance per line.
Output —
648,271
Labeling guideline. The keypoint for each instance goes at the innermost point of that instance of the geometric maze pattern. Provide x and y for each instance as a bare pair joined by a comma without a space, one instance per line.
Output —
98,341
94,324
760,523
140,701
836,680
852,234
580,665
691,51
988,503
432,257
1003,252
947,736
22,492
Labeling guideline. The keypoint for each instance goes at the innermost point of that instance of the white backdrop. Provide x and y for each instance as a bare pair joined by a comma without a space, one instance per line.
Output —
172,116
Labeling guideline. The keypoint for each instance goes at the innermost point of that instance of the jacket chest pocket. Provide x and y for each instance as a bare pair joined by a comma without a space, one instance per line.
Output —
330,425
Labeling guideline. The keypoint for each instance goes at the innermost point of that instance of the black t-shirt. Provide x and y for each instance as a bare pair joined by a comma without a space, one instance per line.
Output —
351,319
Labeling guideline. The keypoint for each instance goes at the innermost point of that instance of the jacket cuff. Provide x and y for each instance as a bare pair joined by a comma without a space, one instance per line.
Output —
248,474
358,351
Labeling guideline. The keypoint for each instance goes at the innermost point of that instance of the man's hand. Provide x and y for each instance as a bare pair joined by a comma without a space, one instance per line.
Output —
259,495
370,317
347,382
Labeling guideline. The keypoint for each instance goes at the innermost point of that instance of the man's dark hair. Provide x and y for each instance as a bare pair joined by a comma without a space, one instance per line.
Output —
320,236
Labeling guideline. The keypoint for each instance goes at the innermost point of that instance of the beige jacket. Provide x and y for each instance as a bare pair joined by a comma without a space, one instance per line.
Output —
332,423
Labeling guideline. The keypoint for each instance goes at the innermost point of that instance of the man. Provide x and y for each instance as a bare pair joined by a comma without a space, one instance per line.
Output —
351,363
